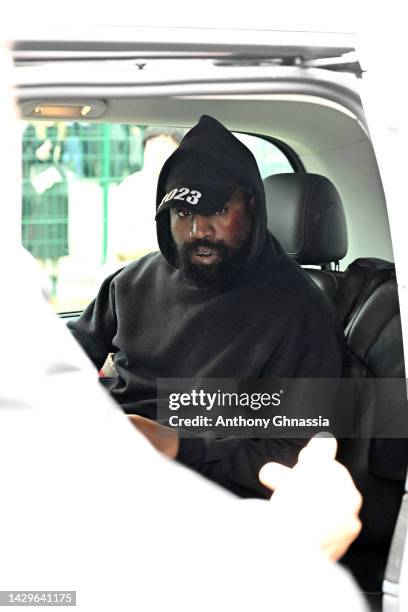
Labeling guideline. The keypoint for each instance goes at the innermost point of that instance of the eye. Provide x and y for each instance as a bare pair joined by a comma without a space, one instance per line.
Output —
182,212
222,211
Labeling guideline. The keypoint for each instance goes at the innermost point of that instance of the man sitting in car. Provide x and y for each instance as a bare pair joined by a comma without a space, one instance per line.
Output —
220,300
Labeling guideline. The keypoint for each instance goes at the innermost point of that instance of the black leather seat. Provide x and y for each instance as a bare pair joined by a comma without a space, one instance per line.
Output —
378,465
359,281
306,215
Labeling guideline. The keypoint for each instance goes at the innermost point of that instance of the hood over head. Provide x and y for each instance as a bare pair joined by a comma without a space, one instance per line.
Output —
201,175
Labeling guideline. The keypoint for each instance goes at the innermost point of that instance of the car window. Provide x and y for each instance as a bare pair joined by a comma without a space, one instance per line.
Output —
88,198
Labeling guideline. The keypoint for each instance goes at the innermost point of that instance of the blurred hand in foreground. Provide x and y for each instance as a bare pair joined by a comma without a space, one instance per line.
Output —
318,495
164,439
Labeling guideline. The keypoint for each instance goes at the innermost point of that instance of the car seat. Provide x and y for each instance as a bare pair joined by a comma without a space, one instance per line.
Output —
305,213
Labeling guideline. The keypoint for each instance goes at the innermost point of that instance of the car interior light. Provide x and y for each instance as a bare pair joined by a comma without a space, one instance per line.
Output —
60,109
64,112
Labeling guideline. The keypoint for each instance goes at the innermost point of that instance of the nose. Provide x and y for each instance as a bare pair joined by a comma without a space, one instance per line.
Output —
201,227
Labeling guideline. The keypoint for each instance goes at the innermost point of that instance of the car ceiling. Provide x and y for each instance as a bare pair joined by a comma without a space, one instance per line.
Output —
306,126
323,124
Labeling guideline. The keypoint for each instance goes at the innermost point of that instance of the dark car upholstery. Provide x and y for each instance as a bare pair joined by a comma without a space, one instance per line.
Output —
305,213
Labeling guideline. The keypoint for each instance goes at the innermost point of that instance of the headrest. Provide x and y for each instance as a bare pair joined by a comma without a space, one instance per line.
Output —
306,215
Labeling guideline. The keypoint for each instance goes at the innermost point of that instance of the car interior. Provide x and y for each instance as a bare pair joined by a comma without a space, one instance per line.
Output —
324,196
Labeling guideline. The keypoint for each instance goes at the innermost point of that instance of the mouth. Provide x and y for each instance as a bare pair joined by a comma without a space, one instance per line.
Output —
205,255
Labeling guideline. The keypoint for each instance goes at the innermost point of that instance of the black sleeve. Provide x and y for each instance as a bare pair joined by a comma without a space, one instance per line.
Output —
97,325
235,462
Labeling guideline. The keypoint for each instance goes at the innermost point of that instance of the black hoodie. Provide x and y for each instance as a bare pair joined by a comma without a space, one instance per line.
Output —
273,322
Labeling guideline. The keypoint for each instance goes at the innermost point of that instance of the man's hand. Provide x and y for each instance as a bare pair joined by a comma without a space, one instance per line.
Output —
164,439
317,495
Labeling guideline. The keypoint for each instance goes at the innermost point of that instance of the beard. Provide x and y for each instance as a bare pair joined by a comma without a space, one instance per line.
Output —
219,274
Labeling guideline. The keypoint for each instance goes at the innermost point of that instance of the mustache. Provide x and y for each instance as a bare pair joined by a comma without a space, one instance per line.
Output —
215,245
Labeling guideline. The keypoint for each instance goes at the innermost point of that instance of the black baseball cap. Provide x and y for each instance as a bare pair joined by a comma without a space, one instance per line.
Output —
196,184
